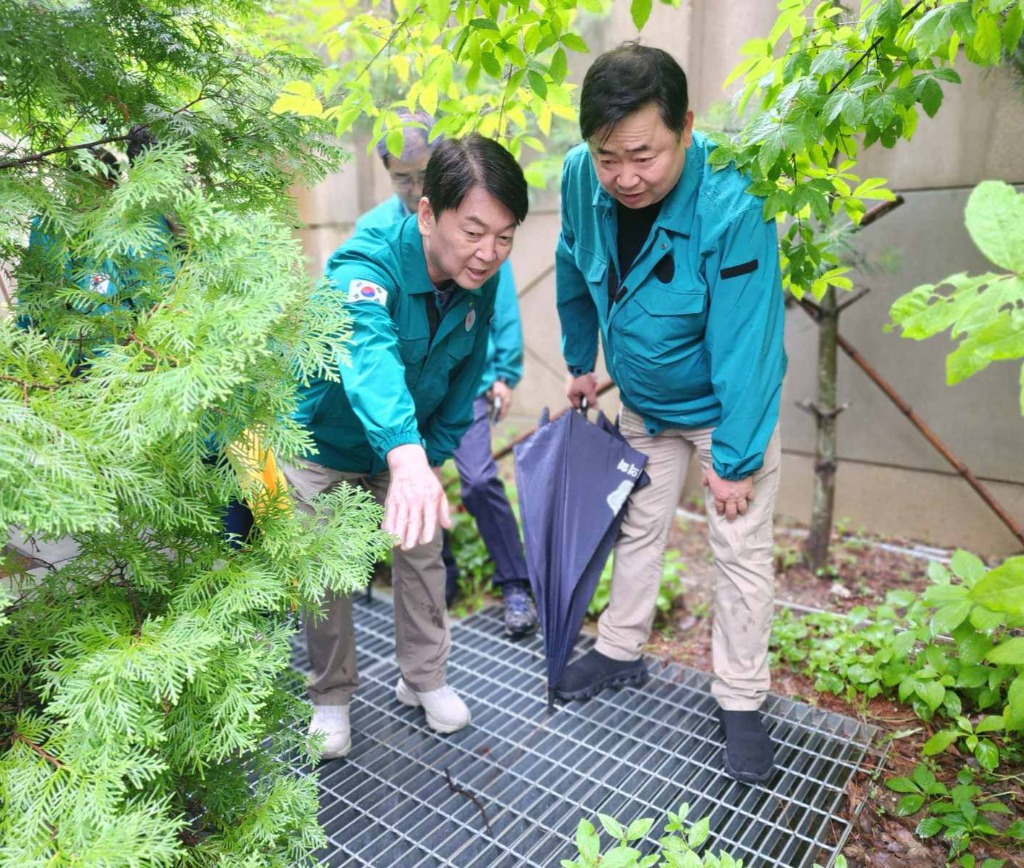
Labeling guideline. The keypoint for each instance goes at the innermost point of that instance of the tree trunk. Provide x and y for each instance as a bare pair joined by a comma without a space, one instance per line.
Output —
823,503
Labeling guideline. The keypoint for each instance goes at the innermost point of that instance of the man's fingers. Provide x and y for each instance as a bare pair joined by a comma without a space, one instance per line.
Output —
413,526
741,506
446,516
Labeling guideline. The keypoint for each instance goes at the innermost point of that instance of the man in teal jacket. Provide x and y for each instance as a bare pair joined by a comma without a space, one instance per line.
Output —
419,294
483,491
677,270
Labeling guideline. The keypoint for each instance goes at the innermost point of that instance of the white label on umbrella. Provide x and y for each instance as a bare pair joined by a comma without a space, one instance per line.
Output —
618,498
628,468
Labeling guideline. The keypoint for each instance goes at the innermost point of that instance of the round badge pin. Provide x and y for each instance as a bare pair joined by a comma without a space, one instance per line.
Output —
470,319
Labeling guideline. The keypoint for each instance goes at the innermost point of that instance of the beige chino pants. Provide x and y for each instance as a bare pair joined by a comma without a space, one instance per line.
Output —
744,591
422,634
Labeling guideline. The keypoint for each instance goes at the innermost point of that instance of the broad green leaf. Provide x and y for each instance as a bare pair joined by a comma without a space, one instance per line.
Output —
490,64
987,755
1013,714
639,828
940,741
902,785
949,617
967,566
909,805
931,97
612,826
537,83
699,833
640,11
1002,589
931,693
574,42
1011,652
928,827
987,39
559,65
995,221
619,857
438,10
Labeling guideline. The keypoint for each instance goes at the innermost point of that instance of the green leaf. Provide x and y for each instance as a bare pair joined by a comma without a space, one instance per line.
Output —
619,857
699,833
559,65
909,805
574,42
1011,651
986,620
928,827
1002,589
967,565
988,41
931,97
949,617
995,221
639,828
987,755
931,692
537,83
940,741
438,11
612,826
490,64
902,785
1014,712
640,11
587,841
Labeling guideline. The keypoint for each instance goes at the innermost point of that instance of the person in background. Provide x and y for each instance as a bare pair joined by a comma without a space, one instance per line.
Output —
483,491
674,265
419,293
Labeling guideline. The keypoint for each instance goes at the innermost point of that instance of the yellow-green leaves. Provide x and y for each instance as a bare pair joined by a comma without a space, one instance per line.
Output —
983,312
299,98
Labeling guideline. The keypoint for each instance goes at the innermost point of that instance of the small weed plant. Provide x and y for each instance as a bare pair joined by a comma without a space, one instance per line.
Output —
955,654
679,847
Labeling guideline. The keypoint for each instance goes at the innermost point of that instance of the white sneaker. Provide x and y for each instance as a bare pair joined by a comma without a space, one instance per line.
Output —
333,722
446,712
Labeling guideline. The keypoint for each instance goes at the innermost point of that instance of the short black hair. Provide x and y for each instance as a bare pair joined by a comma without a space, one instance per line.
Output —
624,80
459,165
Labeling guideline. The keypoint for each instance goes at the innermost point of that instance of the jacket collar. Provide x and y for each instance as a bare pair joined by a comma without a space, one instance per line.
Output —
413,257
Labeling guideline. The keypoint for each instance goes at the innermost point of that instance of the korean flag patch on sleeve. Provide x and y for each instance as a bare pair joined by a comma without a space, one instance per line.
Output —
363,290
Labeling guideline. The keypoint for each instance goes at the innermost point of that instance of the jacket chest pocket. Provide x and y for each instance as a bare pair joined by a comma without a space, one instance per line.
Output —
660,322
459,345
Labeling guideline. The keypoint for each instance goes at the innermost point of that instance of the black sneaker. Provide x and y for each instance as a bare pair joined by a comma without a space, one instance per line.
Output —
593,672
520,613
749,753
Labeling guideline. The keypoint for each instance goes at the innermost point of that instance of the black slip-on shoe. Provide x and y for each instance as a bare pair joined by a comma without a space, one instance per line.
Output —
593,672
749,754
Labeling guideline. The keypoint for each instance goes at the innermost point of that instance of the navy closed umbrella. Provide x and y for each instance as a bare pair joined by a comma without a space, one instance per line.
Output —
574,478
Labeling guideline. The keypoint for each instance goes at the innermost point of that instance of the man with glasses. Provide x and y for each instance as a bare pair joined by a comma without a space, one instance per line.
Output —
483,492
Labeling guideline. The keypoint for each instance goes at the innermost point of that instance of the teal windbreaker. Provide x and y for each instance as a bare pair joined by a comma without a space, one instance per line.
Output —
505,340
694,337
399,385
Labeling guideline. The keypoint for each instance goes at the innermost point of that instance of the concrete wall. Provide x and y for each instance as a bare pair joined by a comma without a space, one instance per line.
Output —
889,480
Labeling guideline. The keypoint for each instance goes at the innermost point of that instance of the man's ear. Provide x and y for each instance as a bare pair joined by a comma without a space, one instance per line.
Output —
425,217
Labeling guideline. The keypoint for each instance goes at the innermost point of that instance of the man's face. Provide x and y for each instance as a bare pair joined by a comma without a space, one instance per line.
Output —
407,179
469,244
642,159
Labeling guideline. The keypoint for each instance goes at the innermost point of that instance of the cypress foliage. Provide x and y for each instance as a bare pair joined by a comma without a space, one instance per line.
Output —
145,696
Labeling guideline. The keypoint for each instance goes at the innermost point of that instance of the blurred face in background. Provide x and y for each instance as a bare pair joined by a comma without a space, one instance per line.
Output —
407,178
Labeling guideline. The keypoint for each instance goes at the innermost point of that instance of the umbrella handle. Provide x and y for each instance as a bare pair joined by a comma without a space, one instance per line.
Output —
584,407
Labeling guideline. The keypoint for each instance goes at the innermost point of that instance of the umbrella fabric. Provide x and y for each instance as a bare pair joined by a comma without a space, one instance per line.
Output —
574,478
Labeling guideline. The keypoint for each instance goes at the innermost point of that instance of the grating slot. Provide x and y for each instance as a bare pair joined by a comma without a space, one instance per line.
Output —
628,753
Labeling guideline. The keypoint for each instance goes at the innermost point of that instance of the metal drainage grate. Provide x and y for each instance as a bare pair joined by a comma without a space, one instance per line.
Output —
628,753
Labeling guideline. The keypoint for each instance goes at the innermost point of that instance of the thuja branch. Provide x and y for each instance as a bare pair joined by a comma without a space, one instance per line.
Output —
45,754
63,149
